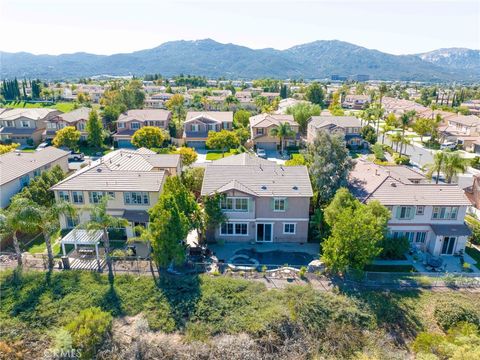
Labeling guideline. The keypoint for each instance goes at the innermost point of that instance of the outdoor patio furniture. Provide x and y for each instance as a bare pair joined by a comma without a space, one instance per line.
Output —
435,262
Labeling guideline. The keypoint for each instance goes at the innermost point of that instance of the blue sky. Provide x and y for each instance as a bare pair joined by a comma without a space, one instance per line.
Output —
112,26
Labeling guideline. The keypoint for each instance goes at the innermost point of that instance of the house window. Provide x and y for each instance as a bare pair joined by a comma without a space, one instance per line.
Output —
135,125
279,204
136,198
234,204
420,210
237,229
71,222
96,196
289,228
445,212
37,172
121,125
225,125
111,195
211,127
24,181
194,127
260,131
63,195
241,204
25,124
404,212
420,237
10,123
77,197
81,126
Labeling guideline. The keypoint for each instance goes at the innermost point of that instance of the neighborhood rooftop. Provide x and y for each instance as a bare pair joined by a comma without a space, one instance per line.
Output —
246,174
145,115
75,115
340,121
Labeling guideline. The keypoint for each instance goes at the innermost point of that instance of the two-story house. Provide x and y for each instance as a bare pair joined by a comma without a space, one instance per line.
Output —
261,126
263,201
431,216
347,126
462,129
17,168
357,102
133,120
25,126
198,124
77,118
132,180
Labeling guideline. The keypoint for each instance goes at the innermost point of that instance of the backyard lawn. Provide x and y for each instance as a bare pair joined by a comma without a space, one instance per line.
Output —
62,106
217,154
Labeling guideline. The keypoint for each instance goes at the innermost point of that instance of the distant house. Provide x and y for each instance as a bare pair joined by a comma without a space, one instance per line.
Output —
133,120
264,202
270,95
473,106
347,126
431,216
25,126
157,101
77,118
262,124
356,102
132,179
464,130
199,123
18,168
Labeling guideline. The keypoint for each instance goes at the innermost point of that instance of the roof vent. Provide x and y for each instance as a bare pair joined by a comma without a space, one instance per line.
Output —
264,187
393,184
99,170
295,187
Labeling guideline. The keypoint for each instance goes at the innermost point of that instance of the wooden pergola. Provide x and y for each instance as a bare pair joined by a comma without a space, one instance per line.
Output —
83,237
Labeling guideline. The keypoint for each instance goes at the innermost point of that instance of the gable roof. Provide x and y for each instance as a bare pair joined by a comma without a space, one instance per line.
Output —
267,120
258,178
335,121
30,113
15,164
73,116
145,115
217,116
467,120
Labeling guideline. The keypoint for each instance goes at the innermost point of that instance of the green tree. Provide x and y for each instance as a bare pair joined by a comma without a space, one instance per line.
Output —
453,165
335,107
222,140
368,133
96,134
241,118
396,138
38,190
192,179
302,112
405,121
67,137
149,137
356,234
89,330
315,94
213,215
436,167
422,127
103,221
391,120
342,200
19,217
282,131
283,91
188,155
329,165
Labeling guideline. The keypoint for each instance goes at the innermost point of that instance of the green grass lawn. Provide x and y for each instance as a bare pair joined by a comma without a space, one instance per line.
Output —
38,245
474,253
390,268
62,106
216,154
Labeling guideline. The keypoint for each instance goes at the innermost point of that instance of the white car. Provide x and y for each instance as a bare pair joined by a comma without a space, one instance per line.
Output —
42,146
73,156
448,145
261,153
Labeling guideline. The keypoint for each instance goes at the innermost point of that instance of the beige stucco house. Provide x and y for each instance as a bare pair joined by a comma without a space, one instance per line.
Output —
17,168
198,124
264,202
25,125
77,118
262,124
132,179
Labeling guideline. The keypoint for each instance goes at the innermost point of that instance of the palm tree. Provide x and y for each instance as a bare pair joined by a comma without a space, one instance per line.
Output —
101,220
385,129
395,138
282,131
404,121
436,166
48,222
20,216
453,165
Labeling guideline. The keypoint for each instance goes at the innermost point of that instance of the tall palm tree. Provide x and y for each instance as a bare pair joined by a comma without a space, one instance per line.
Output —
20,217
101,220
404,121
385,129
436,166
453,165
282,131
395,138
48,222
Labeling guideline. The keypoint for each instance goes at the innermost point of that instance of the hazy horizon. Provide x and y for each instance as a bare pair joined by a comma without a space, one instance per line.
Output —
106,27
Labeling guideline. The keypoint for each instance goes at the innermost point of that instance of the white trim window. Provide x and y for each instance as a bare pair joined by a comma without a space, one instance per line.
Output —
194,128
279,204
445,212
136,198
95,196
289,228
120,125
234,229
77,197
134,125
234,204
25,124
420,210
63,195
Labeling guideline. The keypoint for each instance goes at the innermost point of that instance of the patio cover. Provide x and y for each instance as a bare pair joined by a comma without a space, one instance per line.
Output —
82,237
140,216
451,230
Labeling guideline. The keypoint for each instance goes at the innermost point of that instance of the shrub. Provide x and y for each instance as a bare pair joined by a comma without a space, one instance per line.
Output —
89,329
450,312
302,272
393,249
401,160
388,149
378,152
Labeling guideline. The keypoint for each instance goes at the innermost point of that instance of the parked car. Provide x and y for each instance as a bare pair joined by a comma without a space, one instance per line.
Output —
261,153
42,146
448,145
73,156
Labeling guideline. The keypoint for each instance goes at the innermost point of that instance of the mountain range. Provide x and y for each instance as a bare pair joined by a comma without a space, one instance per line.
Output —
315,60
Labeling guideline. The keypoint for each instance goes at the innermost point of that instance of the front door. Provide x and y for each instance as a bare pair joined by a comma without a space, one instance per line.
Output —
264,232
448,245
